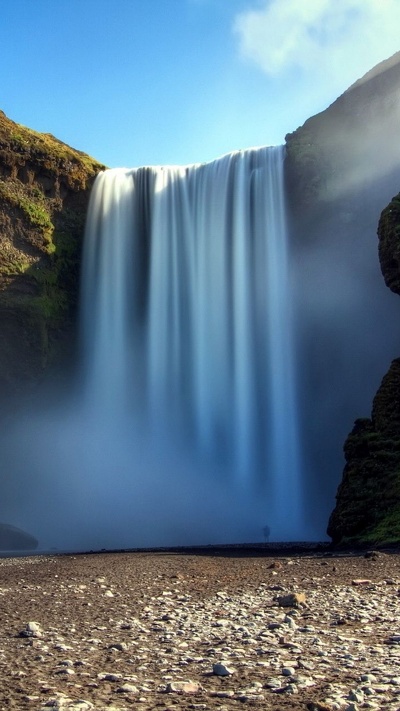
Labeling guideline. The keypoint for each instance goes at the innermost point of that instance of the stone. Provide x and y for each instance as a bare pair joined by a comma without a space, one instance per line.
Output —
356,695
109,677
183,687
119,646
361,581
226,694
288,671
221,669
32,629
127,689
292,600
64,703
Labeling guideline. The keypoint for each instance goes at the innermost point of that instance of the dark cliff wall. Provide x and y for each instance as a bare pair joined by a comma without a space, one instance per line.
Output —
44,189
368,498
342,167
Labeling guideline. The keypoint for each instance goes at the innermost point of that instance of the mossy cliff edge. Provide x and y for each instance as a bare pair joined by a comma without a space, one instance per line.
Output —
44,190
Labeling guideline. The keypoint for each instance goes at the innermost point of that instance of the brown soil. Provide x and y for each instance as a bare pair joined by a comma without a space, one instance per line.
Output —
86,603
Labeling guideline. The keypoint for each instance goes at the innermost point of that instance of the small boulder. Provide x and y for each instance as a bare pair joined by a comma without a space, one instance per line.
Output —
183,687
291,600
222,670
127,689
32,629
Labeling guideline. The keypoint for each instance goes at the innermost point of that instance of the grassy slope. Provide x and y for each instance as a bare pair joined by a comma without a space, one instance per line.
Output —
44,189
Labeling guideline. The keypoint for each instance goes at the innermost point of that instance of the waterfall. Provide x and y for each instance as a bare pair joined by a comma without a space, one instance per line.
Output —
186,321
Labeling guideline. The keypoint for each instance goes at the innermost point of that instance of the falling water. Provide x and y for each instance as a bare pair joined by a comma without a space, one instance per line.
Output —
186,322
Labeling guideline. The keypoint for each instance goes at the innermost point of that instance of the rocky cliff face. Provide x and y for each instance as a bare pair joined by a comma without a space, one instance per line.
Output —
342,167
350,146
44,189
368,499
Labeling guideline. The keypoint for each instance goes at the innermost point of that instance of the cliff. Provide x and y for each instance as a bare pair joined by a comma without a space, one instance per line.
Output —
44,189
368,499
342,167
350,146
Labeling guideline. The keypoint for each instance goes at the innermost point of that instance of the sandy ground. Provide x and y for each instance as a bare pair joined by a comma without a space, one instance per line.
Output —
144,630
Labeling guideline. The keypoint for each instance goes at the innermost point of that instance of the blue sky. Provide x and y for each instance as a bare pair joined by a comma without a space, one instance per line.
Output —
136,82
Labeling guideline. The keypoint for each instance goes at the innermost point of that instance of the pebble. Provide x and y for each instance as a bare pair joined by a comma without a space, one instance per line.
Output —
292,600
32,629
183,687
264,646
127,689
222,669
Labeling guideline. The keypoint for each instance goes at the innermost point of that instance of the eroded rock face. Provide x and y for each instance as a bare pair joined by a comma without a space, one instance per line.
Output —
350,146
368,499
342,168
44,190
389,244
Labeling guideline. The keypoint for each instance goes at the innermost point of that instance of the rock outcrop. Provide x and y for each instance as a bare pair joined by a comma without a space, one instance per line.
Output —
368,499
342,167
389,244
349,147
44,189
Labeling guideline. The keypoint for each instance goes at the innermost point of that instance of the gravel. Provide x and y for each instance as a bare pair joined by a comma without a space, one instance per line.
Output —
172,631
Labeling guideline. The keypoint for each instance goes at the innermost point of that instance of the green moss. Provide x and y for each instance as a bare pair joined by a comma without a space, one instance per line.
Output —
387,530
44,189
32,204
14,267
38,215
50,304
19,138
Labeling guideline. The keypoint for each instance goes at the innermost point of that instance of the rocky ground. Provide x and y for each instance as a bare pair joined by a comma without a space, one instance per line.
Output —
219,630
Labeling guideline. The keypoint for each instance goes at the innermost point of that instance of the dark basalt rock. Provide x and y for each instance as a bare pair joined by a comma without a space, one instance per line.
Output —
368,499
14,539
389,244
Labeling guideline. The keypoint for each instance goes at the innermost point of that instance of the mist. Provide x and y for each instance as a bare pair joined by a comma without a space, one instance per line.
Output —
347,334
79,482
